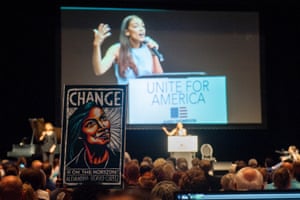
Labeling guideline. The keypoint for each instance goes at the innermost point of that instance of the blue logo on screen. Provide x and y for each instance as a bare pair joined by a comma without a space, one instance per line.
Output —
174,112
178,112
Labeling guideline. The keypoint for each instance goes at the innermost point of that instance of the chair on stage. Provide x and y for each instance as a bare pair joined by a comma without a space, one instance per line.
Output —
207,152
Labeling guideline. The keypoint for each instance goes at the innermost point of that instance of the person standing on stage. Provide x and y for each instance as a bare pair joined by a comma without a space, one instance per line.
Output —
178,131
48,139
131,56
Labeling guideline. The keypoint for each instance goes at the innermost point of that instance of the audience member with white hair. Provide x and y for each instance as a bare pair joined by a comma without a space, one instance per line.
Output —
252,163
248,178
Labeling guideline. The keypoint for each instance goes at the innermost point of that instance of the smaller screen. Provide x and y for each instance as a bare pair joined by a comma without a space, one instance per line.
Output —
167,100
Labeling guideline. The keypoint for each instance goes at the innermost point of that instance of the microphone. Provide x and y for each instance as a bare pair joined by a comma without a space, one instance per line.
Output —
154,49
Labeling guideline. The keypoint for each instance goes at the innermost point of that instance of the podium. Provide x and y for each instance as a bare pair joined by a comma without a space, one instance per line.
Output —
183,146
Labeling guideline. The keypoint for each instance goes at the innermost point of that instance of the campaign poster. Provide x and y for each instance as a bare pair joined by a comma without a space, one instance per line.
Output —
93,134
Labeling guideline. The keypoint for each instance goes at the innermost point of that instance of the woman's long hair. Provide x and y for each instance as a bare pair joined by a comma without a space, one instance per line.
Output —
74,129
125,59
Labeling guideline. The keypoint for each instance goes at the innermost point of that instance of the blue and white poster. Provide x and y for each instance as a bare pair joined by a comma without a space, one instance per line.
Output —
93,134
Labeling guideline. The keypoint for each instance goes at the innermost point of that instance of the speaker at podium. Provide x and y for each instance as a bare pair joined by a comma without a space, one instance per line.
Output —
183,146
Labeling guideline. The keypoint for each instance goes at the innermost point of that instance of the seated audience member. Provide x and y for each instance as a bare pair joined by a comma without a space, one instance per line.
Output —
88,191
28,192
295,175
164,190
169,170
37,179
213,181
232,168
11,188
268,164
124,195
145,167
159,161
47,169
164,172
147,180
157,168
146,183
131,174
36,164
248,178
290,166
177,176
252,163
296,168
11,169
239,164
148,159
136,161
227,182
281,179
195,163
172,160
127,157
194,180
182,164
59,183
265,175
63,193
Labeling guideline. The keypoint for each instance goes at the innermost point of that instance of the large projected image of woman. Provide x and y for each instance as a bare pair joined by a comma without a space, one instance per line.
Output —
102,46
131,56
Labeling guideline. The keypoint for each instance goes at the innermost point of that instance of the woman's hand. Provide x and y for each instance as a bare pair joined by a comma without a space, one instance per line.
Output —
42,136
52,149
101,33
151,43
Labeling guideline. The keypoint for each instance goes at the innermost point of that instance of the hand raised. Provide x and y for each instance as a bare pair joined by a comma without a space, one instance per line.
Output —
101,33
